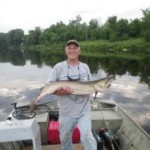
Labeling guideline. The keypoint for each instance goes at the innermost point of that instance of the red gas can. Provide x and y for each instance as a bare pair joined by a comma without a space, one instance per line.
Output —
53,133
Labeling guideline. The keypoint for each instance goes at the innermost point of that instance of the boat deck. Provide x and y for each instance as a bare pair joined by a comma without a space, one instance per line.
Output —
57,147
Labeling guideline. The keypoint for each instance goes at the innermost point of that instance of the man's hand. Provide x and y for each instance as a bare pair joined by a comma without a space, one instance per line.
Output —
32,106
63,91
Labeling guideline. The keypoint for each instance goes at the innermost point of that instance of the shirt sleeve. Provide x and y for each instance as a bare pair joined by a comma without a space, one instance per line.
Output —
55,72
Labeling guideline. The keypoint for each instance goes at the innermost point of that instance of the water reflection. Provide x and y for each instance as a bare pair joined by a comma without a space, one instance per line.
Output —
16,57
29,70
111,65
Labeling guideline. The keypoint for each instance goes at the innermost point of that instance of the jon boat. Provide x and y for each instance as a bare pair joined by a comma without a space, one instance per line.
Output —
106,114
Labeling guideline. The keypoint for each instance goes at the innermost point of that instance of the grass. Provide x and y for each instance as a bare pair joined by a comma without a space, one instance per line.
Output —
131,44
132,48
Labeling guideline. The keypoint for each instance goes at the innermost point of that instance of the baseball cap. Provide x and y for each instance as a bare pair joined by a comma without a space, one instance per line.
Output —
73,42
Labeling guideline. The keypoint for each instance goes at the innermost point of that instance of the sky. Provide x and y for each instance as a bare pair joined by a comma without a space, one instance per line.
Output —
28,14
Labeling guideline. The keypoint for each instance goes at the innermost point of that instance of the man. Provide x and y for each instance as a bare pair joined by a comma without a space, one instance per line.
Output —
73,109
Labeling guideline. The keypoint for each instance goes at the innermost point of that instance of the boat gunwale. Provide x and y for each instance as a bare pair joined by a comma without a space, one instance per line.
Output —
134,122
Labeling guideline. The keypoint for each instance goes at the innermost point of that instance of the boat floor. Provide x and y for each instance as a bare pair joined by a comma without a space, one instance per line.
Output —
57,147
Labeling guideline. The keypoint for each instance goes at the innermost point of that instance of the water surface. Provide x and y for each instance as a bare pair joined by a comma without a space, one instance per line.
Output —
21,78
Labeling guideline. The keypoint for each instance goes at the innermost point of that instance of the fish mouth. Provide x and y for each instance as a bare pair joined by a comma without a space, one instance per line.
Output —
109,80
111,77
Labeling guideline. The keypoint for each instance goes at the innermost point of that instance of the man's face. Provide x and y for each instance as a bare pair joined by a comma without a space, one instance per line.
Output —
72,51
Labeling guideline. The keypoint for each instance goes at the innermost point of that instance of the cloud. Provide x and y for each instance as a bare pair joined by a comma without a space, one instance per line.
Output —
28,14
9,92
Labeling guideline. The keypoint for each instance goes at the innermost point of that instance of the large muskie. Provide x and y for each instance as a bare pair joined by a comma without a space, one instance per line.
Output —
78,87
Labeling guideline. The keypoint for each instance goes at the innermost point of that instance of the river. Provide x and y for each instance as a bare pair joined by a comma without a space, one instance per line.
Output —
22,76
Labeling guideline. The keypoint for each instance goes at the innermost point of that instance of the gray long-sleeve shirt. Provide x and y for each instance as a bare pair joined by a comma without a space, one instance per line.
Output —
72,105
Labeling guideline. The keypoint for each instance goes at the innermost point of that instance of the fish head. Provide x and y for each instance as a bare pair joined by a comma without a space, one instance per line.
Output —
104,83
109,80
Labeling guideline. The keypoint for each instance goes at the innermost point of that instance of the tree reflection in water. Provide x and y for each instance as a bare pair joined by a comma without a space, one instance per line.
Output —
110,64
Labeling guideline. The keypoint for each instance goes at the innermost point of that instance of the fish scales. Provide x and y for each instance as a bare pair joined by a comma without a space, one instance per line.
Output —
78,87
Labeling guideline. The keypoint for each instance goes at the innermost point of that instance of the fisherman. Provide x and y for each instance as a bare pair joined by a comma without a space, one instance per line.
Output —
73,109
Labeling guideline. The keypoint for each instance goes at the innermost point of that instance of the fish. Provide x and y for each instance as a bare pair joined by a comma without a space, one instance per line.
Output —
77,87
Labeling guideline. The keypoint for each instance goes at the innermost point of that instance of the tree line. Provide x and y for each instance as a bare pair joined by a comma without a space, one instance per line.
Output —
113,30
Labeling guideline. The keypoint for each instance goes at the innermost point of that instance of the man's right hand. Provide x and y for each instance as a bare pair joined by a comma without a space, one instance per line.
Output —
63,91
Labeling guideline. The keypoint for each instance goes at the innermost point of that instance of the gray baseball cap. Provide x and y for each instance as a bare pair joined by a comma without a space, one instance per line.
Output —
73,42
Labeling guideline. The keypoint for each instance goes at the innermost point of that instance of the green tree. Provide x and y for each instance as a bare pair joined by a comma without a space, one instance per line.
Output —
135,28
33,38
105,32
3,42
146,24
73,28
15,37
122,29
61,32
83,32
111,25
93,29
45,37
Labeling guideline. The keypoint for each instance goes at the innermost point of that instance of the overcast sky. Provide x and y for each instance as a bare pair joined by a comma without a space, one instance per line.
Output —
28,14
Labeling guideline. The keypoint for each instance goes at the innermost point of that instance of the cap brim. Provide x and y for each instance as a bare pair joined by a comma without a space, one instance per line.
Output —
73,42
